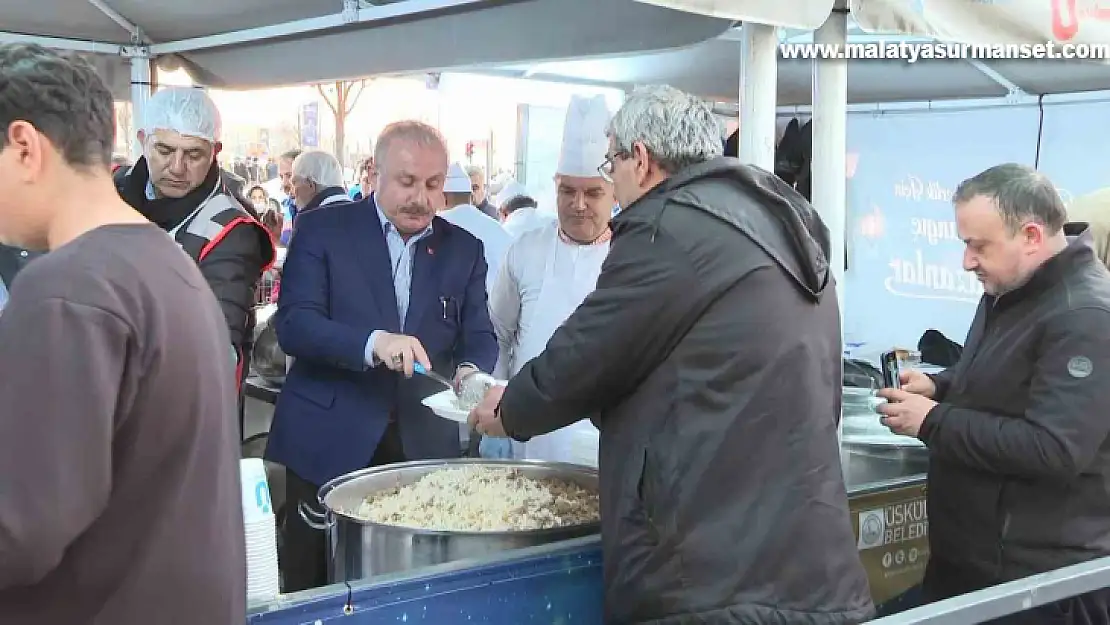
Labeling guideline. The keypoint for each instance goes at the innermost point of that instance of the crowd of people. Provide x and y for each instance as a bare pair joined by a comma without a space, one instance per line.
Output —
678,305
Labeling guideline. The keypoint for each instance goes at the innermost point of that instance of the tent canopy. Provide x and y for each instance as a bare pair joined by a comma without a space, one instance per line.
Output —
263,43
711,69
618,43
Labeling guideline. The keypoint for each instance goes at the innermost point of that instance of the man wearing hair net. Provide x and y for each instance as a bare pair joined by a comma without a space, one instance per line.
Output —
177,184
549,271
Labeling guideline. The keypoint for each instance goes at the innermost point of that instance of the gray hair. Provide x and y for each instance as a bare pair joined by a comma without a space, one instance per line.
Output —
1021,194
474,170
291,155
410,131
678,129
320,167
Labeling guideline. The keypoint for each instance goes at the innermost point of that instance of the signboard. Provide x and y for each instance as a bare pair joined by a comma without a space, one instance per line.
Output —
892,532
905,258
310,125
1073,147
985,22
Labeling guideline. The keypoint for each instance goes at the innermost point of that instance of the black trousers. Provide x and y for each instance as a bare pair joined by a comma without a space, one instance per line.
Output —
303,555
944,580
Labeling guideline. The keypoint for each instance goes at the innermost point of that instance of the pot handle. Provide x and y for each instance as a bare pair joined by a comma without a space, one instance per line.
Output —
319,521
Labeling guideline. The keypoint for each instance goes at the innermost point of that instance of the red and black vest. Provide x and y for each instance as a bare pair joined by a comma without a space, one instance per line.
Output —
203,230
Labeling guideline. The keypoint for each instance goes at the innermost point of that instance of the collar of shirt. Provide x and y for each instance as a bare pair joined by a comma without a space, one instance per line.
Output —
387,225
604,238
150,195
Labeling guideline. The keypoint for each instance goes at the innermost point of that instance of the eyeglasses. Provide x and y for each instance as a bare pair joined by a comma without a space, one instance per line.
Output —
606,168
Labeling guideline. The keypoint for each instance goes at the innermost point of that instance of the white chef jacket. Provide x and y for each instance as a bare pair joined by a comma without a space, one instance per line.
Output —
525,220
542,281
495,240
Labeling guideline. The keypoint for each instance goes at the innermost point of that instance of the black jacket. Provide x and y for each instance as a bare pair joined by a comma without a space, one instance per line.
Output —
232,268
711,351
12,260
1019,475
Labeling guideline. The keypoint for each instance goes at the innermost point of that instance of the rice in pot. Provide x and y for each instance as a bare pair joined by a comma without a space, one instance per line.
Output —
481,499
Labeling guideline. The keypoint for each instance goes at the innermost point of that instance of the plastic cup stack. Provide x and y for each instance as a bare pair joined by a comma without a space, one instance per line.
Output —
263,578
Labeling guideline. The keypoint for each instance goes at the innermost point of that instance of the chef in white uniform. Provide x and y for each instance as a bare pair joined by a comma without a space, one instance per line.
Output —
461,212
523,219
549,271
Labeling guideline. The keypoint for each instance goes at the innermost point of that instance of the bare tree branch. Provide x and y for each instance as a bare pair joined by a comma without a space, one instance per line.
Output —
352,101
327,100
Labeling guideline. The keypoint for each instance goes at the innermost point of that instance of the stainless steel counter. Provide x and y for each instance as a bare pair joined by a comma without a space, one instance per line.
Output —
867,467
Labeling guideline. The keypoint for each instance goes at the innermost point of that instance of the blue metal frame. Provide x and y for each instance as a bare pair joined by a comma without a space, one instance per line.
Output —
558,583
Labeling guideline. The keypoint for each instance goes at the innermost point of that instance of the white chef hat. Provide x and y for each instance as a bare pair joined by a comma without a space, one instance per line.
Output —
584,142
457,181
511,189
185,110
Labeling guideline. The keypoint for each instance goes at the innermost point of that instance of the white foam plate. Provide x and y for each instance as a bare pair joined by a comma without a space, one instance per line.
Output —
889,440
857,392
443,404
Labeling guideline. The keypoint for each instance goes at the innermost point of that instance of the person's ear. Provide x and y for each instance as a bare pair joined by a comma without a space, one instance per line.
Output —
30,149
1033,234
641,160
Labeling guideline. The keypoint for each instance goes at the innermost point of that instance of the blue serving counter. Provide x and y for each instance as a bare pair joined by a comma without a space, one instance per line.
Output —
561,584
557,584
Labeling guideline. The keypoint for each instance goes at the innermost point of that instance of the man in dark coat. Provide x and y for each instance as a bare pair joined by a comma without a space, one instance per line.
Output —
1017,430
710,355
178,184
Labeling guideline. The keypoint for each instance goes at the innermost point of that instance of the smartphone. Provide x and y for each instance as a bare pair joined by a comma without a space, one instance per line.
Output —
891,363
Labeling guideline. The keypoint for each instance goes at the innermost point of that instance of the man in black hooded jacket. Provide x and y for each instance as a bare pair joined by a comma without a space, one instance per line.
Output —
710,353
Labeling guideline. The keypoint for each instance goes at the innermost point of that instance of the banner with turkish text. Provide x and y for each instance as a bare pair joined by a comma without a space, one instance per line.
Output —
990,22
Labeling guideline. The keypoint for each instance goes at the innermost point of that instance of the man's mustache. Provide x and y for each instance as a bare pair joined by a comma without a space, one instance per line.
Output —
416,209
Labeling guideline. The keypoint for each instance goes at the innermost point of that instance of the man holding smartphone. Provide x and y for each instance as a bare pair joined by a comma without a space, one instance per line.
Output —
1017,430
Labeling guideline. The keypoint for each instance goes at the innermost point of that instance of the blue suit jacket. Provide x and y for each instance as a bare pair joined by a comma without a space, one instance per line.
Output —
336,288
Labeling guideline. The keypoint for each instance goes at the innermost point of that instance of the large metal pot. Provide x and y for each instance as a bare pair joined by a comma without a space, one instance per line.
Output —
359,549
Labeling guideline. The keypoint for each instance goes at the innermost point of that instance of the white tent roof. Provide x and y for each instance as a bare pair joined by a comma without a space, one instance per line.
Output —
259,43
711,69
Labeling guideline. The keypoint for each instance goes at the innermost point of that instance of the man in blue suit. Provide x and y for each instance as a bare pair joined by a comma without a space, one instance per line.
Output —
369,289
